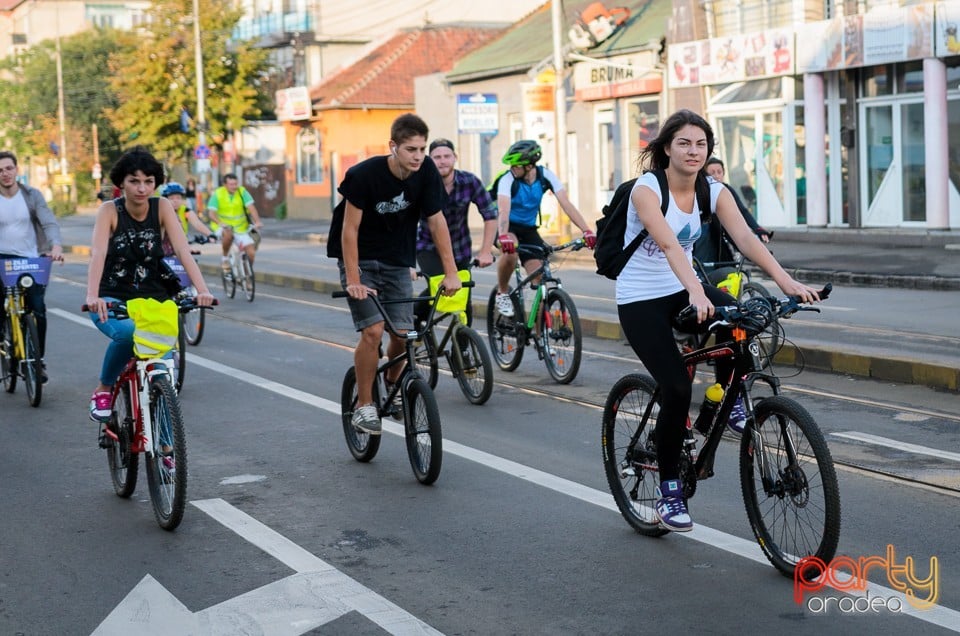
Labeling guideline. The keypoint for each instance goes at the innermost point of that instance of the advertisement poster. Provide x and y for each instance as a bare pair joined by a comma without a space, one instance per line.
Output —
731,59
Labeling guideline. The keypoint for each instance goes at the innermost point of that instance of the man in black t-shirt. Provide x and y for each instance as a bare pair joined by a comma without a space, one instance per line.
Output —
373,235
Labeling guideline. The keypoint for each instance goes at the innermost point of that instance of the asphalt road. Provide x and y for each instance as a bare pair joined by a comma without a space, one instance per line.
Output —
287,534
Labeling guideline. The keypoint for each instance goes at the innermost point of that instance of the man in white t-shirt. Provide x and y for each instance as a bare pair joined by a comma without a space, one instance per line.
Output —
27,229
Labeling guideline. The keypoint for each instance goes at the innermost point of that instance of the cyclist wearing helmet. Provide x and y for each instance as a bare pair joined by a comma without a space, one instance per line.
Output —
175,193
519,211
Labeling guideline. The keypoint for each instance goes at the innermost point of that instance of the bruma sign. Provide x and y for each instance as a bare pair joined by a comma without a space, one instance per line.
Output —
619,76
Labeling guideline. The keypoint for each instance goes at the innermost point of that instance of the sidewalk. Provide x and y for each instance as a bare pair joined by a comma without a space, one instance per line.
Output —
862,258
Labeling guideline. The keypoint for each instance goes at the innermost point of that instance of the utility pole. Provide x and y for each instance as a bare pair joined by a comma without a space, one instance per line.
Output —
201,93
61,114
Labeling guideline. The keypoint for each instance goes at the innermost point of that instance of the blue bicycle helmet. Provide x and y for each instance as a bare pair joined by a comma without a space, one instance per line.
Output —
173,188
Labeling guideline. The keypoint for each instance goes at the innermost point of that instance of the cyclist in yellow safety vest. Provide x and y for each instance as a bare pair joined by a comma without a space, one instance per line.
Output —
229,207
174,192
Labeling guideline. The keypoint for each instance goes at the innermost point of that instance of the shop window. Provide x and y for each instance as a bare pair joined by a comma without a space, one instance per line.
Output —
643,125
877,80
953,146
953,72
910,77
309,156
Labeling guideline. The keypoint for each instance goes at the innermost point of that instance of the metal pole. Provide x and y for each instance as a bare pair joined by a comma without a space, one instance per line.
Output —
560,108
61,112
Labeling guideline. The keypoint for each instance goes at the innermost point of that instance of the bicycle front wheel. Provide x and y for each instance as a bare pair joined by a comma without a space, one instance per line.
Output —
562,338
794,506
770,339
426,358
471,365
32,365
193,323
229,282
180,355
629,455
167,463
249,282
421,419
122,461
506,335
8,361
363,446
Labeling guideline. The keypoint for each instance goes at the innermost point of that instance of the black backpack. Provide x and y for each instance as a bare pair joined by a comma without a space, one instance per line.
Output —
609,253
515,186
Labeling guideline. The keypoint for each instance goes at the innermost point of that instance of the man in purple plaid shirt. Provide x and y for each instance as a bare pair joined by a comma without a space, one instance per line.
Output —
463,188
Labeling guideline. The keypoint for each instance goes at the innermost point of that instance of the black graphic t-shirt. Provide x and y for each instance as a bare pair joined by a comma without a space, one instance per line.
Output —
392,210
134,266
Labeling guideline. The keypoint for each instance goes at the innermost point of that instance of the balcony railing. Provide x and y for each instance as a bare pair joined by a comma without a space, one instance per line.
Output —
274,24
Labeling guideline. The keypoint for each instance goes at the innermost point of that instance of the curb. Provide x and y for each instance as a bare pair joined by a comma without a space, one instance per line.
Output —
887,369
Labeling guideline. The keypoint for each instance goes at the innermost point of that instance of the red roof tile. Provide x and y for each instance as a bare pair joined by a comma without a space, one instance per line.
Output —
384,76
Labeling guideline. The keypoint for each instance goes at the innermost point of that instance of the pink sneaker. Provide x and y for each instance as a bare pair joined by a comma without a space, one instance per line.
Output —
100,406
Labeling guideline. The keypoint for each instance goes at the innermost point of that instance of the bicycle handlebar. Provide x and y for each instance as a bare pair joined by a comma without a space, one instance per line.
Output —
755,314
184,304
547,250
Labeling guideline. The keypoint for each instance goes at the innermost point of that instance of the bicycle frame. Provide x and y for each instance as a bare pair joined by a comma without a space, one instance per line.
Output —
136,376
13,274
14,307
546,278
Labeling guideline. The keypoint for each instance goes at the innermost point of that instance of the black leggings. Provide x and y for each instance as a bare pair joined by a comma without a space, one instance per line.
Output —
649,330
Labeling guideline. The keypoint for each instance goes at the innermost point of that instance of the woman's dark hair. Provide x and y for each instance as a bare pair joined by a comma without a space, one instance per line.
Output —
138,158
654,156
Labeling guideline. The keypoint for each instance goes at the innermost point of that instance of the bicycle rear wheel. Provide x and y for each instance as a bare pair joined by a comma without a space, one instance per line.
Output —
8,361
562,338
796,513
167,463
193,324
122,462
32,365
507,337
471,365
180,355
363,446
426,358
249,282
629,455
421,419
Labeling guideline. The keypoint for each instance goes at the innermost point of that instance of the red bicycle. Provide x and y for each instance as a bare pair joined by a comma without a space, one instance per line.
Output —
146,418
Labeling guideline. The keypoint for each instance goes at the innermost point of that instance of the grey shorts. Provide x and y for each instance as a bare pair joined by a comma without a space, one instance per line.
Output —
393,282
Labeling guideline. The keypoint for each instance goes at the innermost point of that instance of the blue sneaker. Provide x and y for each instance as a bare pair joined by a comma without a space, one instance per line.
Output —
738,417
671,507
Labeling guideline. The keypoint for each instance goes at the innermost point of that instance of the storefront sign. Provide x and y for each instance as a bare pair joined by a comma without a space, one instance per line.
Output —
478,113
947,34
881,36
731,59
619,76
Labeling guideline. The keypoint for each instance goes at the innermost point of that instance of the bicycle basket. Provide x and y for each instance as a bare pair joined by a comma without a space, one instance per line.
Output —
452,304
156,326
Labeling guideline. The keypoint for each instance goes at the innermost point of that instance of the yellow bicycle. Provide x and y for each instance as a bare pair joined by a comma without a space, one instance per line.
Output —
20,346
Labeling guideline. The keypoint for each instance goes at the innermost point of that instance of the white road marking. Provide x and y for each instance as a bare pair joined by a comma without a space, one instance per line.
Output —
898,445
938,615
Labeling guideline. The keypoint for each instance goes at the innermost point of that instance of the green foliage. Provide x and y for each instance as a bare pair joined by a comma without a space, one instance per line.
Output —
157,79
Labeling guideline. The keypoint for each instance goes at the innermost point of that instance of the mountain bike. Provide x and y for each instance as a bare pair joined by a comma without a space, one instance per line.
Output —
146,419
553,324
239,272
20,344
787,475
409,398
461,346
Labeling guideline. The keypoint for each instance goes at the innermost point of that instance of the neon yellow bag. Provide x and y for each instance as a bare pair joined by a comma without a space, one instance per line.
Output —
452,304
731,284
156,326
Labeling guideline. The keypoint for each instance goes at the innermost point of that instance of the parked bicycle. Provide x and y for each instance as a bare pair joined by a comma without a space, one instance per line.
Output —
146,418
787,474
20,345
461,346
239,272
409,398
552,324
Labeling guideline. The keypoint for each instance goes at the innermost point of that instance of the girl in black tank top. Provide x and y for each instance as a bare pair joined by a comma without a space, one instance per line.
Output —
134,266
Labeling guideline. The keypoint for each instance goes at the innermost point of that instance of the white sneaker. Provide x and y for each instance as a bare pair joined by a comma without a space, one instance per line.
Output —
365,419
505,305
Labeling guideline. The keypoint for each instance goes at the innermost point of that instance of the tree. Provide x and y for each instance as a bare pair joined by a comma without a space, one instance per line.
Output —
28,99
156,80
